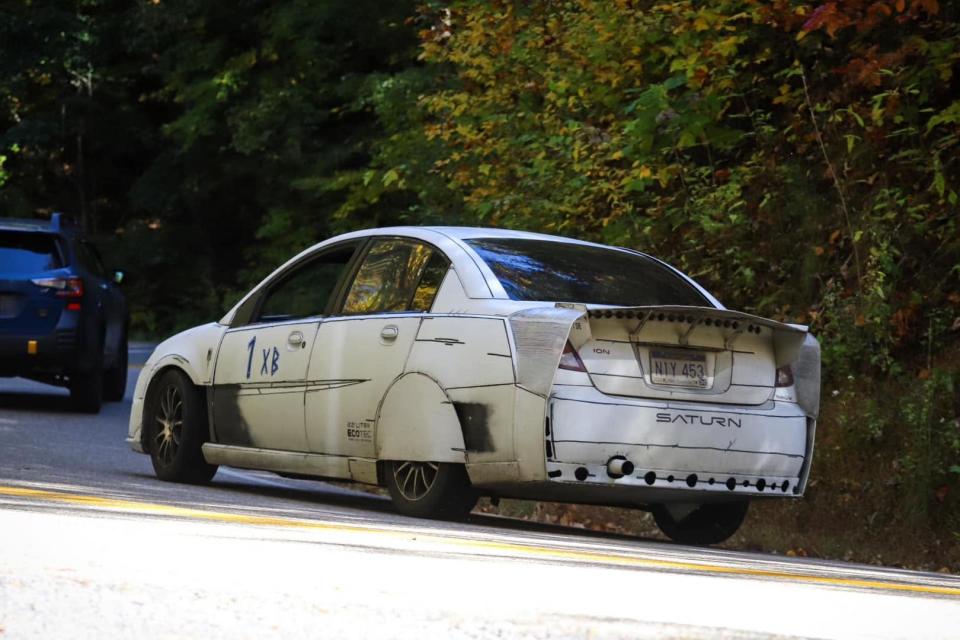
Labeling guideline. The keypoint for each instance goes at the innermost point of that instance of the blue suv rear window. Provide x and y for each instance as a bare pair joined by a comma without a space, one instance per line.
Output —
26,252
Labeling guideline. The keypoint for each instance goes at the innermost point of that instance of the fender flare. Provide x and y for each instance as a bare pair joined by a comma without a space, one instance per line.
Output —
175,361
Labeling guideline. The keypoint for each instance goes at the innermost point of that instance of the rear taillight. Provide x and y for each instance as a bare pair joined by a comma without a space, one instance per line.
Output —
69,288
570,360
785,376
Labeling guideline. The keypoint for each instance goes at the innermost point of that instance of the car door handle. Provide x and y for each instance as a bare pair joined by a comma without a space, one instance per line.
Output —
389,333
296,341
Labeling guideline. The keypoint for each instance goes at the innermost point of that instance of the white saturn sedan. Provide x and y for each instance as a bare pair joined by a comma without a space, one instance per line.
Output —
453,363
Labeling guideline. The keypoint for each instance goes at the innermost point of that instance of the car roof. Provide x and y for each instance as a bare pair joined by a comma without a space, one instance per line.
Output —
55,224
475,233
24,224
476,277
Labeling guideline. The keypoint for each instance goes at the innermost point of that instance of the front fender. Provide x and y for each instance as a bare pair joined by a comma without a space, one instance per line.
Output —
191,352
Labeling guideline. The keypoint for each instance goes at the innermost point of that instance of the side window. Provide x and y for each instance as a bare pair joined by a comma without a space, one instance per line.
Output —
396,275
430,282
307,289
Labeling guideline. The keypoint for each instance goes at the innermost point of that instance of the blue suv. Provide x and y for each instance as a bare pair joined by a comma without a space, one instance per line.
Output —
63,318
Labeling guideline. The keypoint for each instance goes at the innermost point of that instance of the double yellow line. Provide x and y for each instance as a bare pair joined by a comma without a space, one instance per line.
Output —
508,548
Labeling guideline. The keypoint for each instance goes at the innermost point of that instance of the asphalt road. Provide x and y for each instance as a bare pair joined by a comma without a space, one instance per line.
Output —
92,545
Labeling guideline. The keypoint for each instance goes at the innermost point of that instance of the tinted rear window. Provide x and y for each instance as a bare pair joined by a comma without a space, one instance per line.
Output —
26,252
559,272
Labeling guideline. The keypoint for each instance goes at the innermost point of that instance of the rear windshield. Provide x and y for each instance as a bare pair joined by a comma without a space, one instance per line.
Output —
28,252
559,272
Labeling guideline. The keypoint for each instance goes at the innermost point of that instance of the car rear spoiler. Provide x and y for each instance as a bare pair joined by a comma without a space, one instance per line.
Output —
787,338
540,334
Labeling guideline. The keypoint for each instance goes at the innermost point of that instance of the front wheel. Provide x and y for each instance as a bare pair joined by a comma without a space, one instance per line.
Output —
115,378
710,523
430,489
176,428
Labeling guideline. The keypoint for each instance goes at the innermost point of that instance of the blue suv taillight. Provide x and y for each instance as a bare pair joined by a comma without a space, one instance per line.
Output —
70,288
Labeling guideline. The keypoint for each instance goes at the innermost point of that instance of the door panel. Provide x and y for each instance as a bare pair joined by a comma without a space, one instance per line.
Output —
259,382
261,367
353,363
359,354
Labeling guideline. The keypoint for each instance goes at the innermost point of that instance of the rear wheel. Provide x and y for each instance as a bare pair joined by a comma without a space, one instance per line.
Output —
86,391
86,387
115,379
430,489
710,523
176,428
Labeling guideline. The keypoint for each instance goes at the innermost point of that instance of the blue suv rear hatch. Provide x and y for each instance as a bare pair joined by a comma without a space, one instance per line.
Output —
32,267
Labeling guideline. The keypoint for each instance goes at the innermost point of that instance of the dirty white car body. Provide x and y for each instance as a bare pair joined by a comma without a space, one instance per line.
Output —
422,346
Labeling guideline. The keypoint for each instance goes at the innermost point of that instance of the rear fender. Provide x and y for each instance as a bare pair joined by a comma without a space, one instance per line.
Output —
416,420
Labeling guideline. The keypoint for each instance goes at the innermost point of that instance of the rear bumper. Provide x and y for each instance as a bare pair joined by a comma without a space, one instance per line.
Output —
686,448
54,353
67,349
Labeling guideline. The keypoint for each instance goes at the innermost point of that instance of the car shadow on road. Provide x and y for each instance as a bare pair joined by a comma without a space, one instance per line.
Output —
39,402
321,494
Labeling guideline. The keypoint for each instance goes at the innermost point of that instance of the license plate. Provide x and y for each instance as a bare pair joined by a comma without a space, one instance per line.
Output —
679,368
9,307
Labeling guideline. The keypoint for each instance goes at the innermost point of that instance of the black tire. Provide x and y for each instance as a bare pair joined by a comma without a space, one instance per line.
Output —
115,378
86,387
448,496
175,424
710,523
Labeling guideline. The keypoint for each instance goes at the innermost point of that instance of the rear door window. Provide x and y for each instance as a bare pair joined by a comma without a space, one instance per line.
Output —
396,275
27,252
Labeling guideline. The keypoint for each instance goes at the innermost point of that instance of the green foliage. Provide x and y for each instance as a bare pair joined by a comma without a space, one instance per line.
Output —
812,181
932,442
230,128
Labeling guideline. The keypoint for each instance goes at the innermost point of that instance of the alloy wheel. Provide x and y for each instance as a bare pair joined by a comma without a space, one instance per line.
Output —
415,479
170,421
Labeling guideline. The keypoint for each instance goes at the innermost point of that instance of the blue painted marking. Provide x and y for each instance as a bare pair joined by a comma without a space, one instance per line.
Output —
250,345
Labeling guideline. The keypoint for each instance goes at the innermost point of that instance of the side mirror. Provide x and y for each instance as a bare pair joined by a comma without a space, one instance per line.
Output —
118,276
